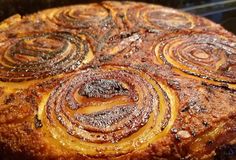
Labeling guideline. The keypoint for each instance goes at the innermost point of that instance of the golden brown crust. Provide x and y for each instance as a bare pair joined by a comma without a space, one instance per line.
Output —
116,80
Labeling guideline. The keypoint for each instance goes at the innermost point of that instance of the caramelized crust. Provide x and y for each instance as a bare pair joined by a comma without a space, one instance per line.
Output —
116,80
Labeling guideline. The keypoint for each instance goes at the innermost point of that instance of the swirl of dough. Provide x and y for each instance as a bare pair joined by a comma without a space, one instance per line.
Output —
111,110
159,18
206,55
41,56
77,17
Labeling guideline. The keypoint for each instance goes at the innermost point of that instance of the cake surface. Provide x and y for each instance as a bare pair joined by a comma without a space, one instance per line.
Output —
116,80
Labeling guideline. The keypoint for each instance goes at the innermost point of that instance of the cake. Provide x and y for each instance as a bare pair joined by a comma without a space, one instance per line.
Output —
116,80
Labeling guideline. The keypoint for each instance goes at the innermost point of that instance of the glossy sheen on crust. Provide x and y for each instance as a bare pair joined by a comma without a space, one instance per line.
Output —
116,80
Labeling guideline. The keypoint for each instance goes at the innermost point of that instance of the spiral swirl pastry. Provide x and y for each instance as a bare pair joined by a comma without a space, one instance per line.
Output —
78,17
42,55
158,18
208,56
112,110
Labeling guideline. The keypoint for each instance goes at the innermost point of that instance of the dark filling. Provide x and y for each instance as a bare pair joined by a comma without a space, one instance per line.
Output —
103,88
37,122
9,99
106,118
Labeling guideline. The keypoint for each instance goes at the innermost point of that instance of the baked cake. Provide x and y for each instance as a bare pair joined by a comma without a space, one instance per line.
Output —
116,80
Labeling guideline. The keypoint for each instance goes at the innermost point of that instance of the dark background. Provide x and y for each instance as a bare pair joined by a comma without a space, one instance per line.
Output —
220,11
10,7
